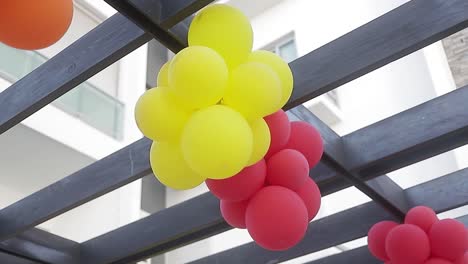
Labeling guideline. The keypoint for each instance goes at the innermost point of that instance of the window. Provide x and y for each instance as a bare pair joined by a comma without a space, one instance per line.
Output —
86,102
286,48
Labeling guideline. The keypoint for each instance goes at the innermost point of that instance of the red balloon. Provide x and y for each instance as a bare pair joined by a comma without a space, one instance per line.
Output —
280,129
407,244
307,140
466,240
276,218
448,239
422,216
463,259
376,239
240,186
287,168
310,194
437,261
234,212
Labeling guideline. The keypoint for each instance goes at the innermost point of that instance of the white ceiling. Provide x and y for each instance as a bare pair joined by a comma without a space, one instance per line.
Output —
29,161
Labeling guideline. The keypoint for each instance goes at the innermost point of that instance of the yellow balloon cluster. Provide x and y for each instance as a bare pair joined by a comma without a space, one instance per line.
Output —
206,114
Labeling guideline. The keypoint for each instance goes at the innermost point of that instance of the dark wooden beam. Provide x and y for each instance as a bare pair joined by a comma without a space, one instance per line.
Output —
6,257
151,24
168,229
39,246
350,224
404,30
421,132
360,255
423,137
36,90
381,189
110,173
104,45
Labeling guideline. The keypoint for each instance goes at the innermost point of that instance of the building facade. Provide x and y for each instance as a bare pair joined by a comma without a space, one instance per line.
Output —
96,118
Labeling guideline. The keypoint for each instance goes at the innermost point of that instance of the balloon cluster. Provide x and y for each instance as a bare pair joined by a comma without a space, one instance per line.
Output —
422,239
30,25
275,198
206,114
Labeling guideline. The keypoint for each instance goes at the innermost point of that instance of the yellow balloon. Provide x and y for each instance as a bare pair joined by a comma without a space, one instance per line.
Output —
254,90
163,75
170,168
224,29
158,116
261,140
217,142
280,67
198,76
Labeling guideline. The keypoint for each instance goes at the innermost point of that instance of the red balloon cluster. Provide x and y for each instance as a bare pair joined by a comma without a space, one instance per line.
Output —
275,198
421,239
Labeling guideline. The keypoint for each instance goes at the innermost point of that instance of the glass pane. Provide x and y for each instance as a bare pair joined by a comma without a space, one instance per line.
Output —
13,63
85,101
35,60
101,110
288,51
70,102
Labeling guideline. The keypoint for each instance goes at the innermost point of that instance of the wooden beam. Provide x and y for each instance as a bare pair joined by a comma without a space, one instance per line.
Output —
40,246
36,90
350,224
360,255
404,30
381,189
6,257
102,46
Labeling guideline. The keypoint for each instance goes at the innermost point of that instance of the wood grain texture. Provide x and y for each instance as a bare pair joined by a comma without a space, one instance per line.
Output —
360,255
387,38
350,224
5,257
111,40
426,130
170,228
41,246
64,196
150,24
382,189
102,46
110,173
392,36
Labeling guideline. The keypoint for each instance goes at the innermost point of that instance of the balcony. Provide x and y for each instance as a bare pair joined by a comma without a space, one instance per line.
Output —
85,102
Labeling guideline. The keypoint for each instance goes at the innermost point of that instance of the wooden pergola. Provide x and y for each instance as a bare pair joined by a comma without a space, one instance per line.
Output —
360,158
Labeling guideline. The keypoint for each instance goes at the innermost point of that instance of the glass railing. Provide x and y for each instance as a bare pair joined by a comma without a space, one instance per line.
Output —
85,101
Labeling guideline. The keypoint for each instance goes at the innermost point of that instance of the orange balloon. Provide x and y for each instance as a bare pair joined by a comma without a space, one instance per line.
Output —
26,24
